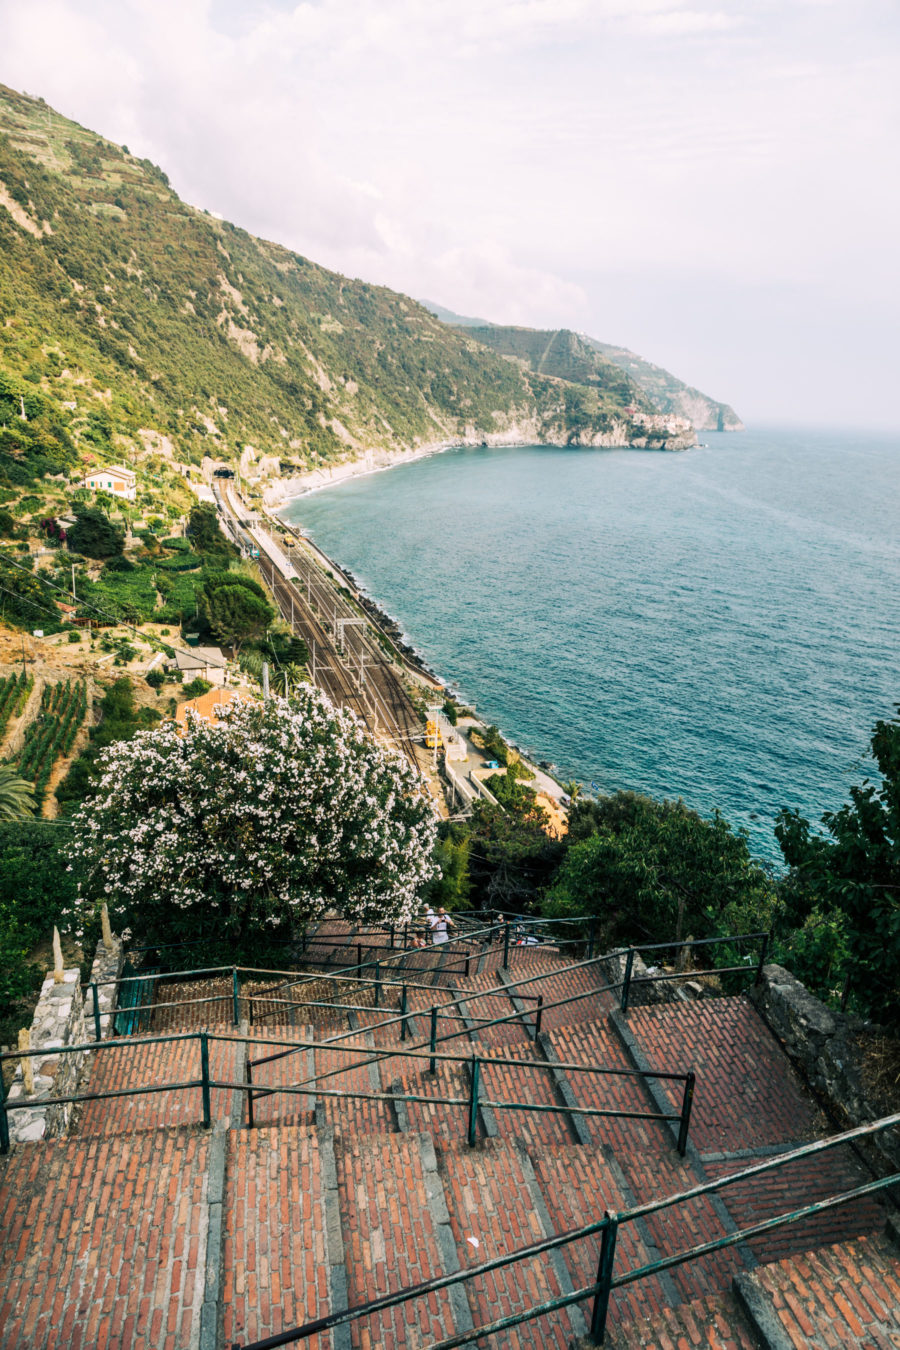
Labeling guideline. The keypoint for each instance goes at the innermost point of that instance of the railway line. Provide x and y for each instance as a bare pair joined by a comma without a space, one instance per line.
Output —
347,661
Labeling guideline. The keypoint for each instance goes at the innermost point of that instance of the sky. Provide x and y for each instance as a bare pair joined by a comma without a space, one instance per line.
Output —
713,184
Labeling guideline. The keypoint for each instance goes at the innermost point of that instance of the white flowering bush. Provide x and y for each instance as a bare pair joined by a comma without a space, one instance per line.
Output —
254,825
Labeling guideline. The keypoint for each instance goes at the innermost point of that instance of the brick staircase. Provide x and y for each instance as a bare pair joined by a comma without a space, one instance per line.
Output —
145,1230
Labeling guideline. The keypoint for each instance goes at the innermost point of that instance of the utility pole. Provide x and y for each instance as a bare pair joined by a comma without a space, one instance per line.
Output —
73,583
312,643
24,667
265,681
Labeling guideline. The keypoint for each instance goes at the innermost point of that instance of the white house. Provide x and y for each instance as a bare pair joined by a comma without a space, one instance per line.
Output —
115,479
206,662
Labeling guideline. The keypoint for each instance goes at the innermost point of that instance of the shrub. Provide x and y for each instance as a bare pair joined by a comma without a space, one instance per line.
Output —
254,824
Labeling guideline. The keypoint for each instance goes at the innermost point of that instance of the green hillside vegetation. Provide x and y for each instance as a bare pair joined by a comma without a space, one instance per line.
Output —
132,317
564,356
666,392
575,356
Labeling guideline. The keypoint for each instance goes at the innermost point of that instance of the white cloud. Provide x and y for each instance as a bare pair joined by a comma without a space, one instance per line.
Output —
499,156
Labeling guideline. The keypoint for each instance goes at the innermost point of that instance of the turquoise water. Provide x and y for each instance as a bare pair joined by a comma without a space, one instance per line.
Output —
721,625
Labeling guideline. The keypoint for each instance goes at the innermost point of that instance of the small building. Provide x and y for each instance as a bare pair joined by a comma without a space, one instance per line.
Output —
119,481
205,663
207,705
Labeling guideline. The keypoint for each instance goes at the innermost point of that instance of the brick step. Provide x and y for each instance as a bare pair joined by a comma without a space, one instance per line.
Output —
396,1233
477,1003
747,1093
280,1215
501,1082
715,1322
804,1182
103,1242
842,1296
493,1199
579,1184
288,1071
561,982
596,1044
579,1179
133,1062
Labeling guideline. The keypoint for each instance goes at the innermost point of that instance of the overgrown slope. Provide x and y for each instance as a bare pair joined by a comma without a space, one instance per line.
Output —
131,310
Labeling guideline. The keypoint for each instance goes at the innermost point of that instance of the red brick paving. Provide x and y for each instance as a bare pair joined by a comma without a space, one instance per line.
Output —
390,1240
578,1186
842,1296
132,1062
120,1228
489,1200
791,1187
102,1242
747,1094
276,1259
596,1044
714,1322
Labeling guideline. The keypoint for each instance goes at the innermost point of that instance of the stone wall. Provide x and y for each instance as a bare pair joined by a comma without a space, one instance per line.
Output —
824,1048
644,989
62,1017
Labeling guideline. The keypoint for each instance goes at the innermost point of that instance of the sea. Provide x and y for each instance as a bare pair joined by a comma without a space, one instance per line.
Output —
720,625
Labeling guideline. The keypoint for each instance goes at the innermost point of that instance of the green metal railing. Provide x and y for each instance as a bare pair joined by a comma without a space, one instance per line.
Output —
608,1227
401,1020
206,1083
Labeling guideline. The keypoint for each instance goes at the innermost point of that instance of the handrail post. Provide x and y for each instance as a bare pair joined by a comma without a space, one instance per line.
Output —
626,983
235,997
391,926
763,953
686,1104
404,1028
97,1032
432,1064
604,1278
377,984
591,937
4,1124
540,1015
248,1078
473,1101
204,1075
358,959
506,946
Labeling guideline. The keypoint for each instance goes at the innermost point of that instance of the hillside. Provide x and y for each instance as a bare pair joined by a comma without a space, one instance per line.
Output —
667,392
576,356
133,316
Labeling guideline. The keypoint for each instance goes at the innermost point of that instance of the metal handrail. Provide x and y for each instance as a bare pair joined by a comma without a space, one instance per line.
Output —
206,1083
610,1223
510,989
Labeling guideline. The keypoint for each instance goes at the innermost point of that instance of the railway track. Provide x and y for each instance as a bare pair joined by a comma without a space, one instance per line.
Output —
347,661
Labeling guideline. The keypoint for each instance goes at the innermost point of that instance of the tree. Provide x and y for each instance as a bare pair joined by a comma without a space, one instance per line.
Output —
512,859
251,826
653,870
236,615
203,528
854,876
94,535
16,794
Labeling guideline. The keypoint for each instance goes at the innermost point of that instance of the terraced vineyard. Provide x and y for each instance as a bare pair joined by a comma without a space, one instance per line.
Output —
14,691
52,732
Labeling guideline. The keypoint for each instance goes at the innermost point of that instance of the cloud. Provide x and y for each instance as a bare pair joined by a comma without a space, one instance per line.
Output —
498,157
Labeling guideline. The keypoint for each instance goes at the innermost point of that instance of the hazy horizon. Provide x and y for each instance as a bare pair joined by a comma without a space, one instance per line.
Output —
707,184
